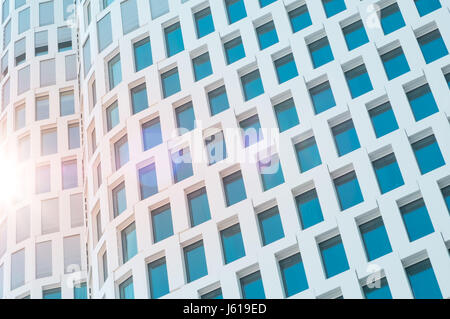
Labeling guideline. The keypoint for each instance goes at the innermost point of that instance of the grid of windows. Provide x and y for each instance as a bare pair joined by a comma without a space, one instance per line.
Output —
154,106
55,146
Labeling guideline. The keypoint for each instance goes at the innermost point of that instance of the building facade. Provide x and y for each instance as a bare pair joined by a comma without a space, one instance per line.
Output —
226,149
43,227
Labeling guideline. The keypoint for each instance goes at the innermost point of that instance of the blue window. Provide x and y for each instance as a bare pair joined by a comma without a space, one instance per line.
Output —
119,199
202,66
151,133
139,99
252,286
447,78
322,97
267,35
446,194
378,292
426,6
432,46
320,51
185,117
235,10
174,39
358,81
198,207
158,279
112,116
66,103
286,68
218,100
422,102
215,294
345,137
126,289
234,50
162,223
391,18
263,3
286,115
388,173
294,276
383,119
271,173
270,225
299,18
395,63
170,82
159,8
106,3
121,152
348,190
422,281
417,221
5,10
333,7
252,85
181,165
375,238
195,261
80,291
428,154
215,148
333,255
308,154
309,209
114,72
104,32
104,262
54,293
142,54
147,181
234,188
232,243
204,22
129,242
251,130
355,35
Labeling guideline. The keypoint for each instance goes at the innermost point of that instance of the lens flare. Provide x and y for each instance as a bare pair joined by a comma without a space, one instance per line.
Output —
9,178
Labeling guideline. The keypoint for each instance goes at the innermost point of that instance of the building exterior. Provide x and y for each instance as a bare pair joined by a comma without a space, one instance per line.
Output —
232,148
43,229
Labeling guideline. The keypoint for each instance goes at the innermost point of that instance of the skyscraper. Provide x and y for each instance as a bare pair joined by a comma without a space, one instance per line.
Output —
225,149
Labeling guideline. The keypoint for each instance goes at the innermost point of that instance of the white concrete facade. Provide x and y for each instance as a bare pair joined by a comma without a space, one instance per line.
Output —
98,196
55,216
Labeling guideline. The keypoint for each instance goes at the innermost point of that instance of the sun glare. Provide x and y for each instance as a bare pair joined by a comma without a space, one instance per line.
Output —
9,186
